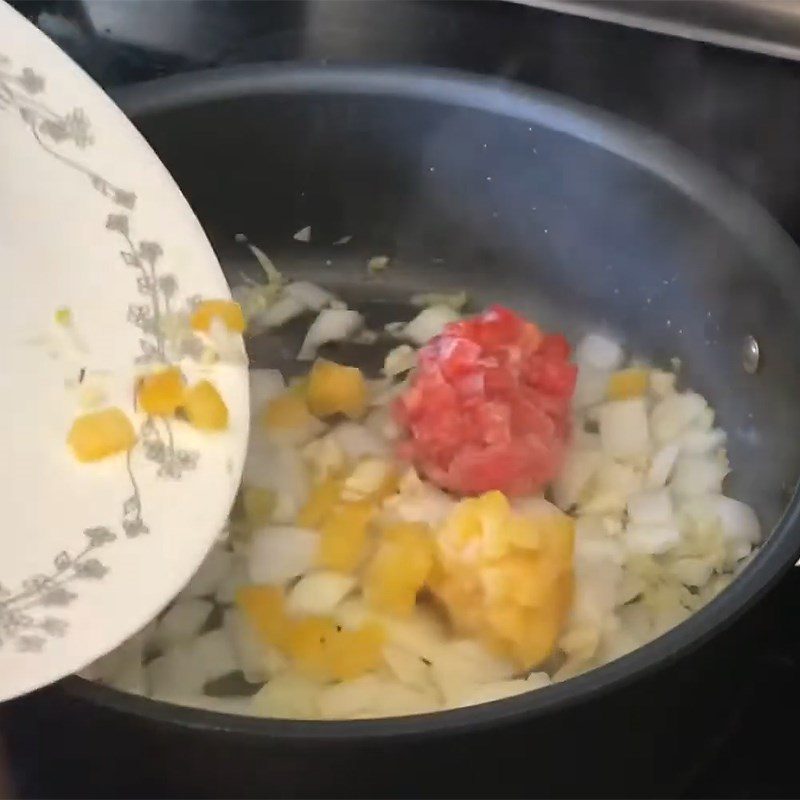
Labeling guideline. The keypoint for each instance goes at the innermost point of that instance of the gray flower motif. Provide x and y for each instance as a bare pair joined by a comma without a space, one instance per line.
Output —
35,583
149,352
28,115
31,81
57,596
54,626
77,125
90,568
142,317
118,223
150,251
54,129
134,527
99,536
144,284
30,644
124,199
62,561
168,285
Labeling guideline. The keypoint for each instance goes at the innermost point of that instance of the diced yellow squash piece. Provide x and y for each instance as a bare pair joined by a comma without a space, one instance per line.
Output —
161,393
309,643
399,568
265,610
627,383
336,389
228,311
204,407
288,411
355,653
258,505
100,434
505,577
321,502
344,536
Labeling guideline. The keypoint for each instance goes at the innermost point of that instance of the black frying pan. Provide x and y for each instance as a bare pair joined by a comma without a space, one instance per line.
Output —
570,216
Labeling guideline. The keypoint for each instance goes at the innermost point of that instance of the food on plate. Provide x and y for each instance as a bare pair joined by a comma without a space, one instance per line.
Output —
163,391
486,515
99,434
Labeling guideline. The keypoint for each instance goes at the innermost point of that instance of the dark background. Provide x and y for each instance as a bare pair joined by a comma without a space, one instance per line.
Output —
735,110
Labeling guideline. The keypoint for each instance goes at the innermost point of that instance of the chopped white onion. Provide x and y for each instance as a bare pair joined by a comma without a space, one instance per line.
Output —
661,466
288,696
650,507
214,653
176,672
428,323
257,660
279,553
674,414
280,468
698,475
332,324
318,593
265,385
311,296
579,468
303,235
651,539
358,441
401,359
624,429
599,352
739,521
455,300
590,387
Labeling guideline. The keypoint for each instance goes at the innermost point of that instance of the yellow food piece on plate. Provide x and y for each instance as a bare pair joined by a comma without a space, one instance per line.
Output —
258,505
506,577
336,389
228,311
205,409
161,393
265,609
627,383
288,411
321,502
100,434
344,536
399,568
63,316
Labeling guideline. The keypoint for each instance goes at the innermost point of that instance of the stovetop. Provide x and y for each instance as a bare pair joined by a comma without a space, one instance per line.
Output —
735,110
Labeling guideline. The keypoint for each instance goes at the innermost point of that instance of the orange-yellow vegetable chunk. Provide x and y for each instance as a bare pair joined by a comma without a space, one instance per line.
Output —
264,608
100,434
228,311
336,389
627,383
506,577
288,411
204,407
399,568
344,536
161,393
321,502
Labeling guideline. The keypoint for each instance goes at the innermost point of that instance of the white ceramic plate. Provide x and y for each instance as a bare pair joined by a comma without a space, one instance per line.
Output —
90,220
